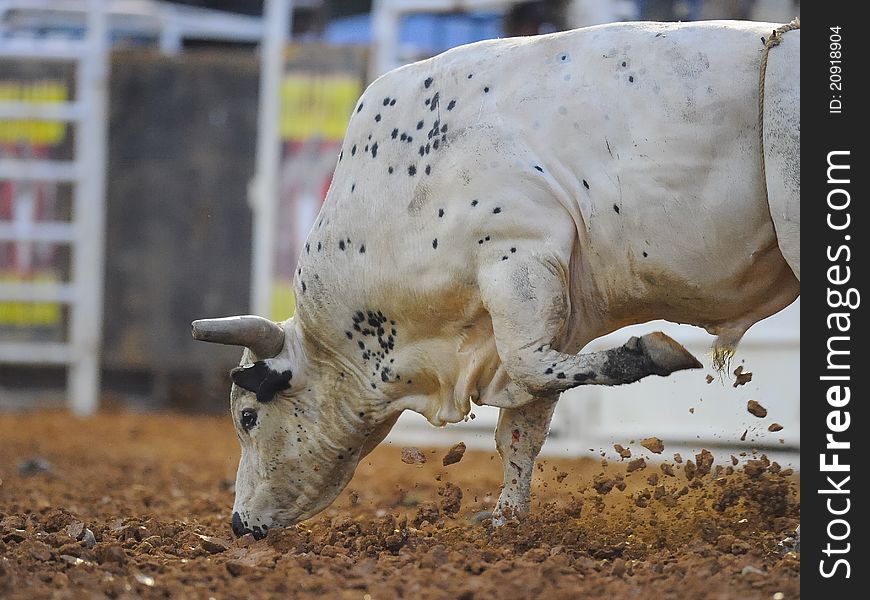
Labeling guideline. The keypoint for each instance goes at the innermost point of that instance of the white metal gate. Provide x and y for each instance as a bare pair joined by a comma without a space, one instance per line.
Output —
85,232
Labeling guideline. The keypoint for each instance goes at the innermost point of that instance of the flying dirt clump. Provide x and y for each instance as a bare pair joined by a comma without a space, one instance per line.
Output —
451,498
704,461
454,455
754,408
413,456
741,377
603,484
622,451
653,444
636,465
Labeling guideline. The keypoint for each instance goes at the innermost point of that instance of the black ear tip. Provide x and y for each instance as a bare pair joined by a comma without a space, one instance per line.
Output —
237,374
250,377
261,379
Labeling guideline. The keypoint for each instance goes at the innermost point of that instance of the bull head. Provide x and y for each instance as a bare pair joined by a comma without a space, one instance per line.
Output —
300,444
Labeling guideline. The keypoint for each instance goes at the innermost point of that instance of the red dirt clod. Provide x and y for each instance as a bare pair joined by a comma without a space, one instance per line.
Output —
454,455
574,508
451,498
603,484
636,465
237,568
754,408
754,468
413,456
618,568
642,499
213,545
111,553
623,452
704,461
653,444
427,512
741,378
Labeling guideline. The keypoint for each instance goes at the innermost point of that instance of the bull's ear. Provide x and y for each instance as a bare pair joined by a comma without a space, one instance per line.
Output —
262,379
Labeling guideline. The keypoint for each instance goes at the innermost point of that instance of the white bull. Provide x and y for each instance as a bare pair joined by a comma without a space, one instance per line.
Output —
496,208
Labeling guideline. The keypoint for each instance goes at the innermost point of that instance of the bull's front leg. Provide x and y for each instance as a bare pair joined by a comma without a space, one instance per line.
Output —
519,435
528,301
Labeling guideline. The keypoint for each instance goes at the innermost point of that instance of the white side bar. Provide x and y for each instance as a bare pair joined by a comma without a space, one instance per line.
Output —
52,232
51,5
385,34
42,49
37,292
47,111
263,190
16,169
39,353
86,323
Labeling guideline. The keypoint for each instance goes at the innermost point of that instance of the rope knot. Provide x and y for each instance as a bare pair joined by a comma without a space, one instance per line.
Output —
776,37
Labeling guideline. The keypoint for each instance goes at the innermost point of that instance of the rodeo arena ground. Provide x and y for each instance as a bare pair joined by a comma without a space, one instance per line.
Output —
502,299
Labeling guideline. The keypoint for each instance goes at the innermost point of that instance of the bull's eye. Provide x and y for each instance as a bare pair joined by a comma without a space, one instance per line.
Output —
248,418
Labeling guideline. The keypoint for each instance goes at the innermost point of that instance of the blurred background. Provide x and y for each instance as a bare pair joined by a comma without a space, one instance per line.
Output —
163,161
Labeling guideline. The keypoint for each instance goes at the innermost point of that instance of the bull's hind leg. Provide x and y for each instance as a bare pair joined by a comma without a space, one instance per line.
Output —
528,303
782,145
519,436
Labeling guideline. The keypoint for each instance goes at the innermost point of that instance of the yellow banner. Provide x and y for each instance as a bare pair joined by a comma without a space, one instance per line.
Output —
29,314
283,301
33,132
317,106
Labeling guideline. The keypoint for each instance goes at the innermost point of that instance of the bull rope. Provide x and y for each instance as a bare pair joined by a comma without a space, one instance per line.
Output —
774,40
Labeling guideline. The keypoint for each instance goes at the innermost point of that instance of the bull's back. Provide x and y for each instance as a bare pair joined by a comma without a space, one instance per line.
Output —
644,133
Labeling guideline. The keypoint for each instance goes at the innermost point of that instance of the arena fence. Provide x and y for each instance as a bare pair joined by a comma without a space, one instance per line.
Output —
31,115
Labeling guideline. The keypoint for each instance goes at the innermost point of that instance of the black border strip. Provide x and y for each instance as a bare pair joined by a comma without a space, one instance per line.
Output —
833,104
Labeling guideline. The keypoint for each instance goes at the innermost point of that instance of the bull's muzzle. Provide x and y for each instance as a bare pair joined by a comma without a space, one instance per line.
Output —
240,529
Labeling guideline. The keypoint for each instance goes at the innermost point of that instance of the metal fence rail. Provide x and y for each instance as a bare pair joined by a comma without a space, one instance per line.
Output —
83,293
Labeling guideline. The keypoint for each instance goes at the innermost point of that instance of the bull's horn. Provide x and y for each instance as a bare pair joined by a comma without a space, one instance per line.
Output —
263,337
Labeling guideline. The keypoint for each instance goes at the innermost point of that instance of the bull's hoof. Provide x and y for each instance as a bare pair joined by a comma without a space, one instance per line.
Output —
667,355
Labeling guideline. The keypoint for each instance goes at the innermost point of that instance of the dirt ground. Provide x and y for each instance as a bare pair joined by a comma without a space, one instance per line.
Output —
128,506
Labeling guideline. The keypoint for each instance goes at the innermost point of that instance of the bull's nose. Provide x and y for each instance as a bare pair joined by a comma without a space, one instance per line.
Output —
239,528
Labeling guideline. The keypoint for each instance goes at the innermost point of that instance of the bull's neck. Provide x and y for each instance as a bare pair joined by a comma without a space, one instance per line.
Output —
352,410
